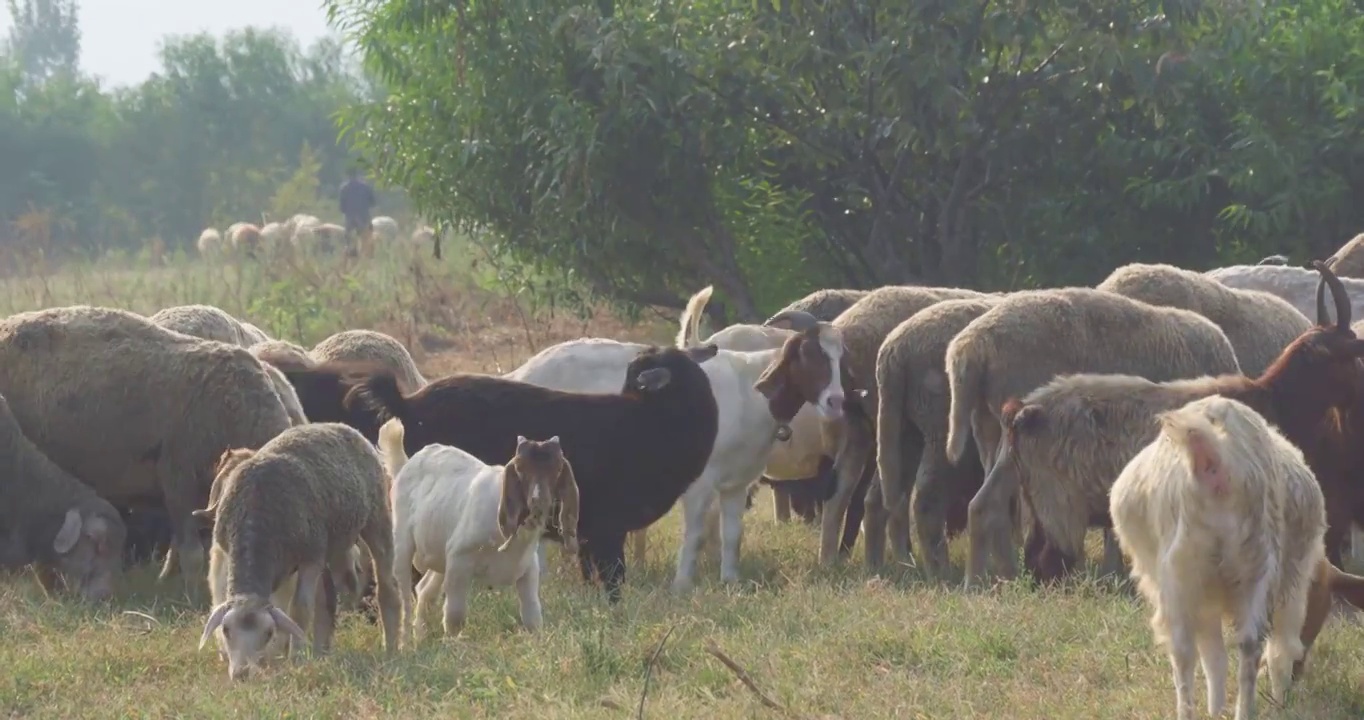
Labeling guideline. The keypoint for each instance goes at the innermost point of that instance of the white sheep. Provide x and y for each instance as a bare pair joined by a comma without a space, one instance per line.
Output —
1222,520
210,243
459,521
385,228
1296,285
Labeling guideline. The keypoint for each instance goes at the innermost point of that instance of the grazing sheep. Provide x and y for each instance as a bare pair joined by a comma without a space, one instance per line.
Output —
1028,338
1258,325
329,237
243,238
203,321
368,345
385,228
462,521
756,393
1348,261
911,426
275,237
138,412
1067,440
54,521
297,505
1223,520
634,452
864,326
210,243
1296,285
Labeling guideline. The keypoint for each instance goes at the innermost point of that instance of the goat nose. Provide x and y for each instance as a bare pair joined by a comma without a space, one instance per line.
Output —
834,402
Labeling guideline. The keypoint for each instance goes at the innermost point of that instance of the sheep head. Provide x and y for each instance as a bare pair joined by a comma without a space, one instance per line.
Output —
537,477
248,624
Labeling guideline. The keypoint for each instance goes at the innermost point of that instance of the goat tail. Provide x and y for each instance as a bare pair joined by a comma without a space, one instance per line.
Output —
966,375
391,445
1190,430
380,394
690,331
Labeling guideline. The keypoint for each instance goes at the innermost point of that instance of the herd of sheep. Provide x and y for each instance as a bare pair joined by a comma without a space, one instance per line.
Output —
1210,424
300,233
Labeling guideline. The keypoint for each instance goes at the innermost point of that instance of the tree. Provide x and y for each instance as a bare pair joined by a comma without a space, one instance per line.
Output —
45,38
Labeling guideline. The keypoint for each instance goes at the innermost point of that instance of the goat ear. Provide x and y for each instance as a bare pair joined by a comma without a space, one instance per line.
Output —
702,353
653,379
1205,458
773,379
512,506
69,533
567,490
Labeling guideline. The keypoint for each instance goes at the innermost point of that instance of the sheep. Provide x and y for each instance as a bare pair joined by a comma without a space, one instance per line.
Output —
53,521
210,243
295,506
864,326
282,350
329,236
1066,441
275,236
1348,261
461,520
1029,337
1222,520
138,412
385,228
1296,285
1258,325
203,321
243,238
368,345
635,451
252,335
756,392
911,425
1274,260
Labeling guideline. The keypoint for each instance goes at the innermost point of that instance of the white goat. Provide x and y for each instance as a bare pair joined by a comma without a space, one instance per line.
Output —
749,388
459,520
1223,520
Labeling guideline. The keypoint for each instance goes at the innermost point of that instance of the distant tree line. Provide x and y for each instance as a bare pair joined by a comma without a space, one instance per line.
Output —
227,129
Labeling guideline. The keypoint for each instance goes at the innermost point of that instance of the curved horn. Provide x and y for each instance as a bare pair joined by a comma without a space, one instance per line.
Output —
1341,297
1322,316
797,320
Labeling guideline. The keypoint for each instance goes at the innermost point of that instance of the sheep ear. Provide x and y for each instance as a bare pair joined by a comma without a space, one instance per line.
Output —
69,533
288,624
215,620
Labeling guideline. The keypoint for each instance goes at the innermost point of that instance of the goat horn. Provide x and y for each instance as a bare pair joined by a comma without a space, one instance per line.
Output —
1338,293
799,320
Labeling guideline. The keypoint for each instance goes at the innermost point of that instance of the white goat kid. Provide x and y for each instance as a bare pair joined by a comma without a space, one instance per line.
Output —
459,520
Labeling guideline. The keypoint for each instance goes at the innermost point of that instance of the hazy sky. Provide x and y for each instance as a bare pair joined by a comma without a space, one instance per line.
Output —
120,38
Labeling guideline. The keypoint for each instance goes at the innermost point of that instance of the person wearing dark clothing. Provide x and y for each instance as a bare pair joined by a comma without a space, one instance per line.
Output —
357,200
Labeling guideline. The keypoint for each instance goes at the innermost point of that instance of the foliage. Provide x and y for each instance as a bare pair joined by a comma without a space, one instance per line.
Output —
648,147
44,39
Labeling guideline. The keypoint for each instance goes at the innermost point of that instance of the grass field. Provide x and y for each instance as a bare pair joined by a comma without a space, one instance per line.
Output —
814,642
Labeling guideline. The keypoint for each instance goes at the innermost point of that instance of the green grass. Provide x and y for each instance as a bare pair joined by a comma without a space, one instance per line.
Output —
819,642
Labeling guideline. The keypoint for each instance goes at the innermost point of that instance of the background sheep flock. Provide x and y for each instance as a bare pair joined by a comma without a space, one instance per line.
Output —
913,594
